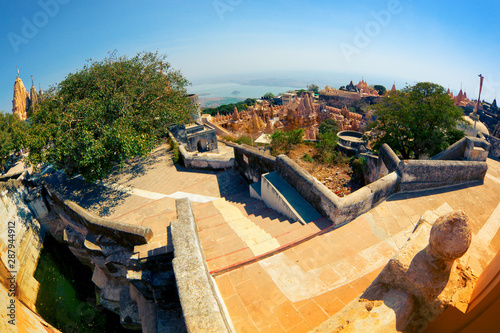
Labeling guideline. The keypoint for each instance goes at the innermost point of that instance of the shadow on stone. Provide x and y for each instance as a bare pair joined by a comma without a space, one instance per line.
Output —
98,199
431,192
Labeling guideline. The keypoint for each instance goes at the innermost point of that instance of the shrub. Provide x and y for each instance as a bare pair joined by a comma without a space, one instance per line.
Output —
175,149
283,141
357,166
244,140
307,158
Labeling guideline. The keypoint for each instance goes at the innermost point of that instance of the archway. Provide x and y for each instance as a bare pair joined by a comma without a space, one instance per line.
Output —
202,145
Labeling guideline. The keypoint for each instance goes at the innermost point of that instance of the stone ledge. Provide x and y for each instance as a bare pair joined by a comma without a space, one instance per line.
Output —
202,307
122,233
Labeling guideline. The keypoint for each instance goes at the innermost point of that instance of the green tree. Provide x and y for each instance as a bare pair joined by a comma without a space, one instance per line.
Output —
300,92
380,89
106,113
12,133
268,95
418,120
313,88
329,126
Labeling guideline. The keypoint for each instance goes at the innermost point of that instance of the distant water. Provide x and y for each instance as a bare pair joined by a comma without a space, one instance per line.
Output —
218,90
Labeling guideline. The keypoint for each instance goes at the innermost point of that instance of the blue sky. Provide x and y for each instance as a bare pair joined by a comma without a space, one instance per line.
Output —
447,42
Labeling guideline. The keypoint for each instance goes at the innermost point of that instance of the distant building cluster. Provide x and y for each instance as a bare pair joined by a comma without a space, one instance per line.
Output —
461,99
23,100
351,91
299,112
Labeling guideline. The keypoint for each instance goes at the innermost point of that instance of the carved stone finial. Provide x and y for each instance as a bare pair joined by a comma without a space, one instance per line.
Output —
450,236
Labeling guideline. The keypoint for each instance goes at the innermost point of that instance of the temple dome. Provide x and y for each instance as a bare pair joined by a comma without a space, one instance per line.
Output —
469,129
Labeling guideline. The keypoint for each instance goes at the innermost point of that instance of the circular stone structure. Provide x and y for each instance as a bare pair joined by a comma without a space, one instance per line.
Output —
451,236
473,127
350,141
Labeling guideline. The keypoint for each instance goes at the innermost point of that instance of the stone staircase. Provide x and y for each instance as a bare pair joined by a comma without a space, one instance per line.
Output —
238,229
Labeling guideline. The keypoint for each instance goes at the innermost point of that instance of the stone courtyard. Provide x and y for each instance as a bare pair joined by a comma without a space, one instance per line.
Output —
276,275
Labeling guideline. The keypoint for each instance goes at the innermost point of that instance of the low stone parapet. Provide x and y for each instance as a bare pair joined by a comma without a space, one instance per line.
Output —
202,307
425,174
122,233
252,163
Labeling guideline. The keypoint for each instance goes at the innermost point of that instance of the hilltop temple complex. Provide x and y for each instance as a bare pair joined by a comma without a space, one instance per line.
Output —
301,112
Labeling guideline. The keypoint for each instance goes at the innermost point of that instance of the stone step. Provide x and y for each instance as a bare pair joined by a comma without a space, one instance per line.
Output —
257,239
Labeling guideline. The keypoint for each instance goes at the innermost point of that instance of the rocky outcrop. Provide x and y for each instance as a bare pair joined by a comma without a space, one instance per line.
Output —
21,239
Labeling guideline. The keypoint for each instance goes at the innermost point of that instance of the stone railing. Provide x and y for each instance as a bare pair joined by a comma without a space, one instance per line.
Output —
338,210
202,306
251,162
462,149
495,146
424,174
123,234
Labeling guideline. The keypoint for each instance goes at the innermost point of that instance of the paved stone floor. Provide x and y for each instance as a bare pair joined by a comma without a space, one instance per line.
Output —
275,275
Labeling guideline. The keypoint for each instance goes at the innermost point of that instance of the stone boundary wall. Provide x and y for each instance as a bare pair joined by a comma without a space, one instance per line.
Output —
424,174
454,152
338,210
410,175
495,146
202,306
459,149
379,166
219,130
122,233
251,163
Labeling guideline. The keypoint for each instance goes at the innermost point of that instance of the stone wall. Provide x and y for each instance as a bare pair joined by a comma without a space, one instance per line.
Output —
495,147
126,235
424,174
202,306
380,166
218,129
338,210
252,163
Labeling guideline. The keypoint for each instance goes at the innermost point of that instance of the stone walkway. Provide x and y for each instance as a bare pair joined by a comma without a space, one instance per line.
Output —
298,289
275,275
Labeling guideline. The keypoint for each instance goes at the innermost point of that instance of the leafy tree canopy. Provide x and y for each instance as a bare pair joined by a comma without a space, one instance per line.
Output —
106,113
268,95
11,135
329,126
417,120
380,89
300,92
313,88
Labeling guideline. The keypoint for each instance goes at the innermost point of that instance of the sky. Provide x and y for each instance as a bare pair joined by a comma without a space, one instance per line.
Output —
209,41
